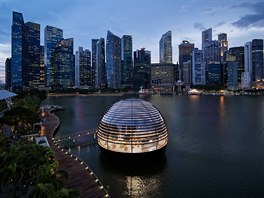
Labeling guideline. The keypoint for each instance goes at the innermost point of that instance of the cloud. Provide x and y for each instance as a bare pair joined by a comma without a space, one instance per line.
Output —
220,24
199,26
254,19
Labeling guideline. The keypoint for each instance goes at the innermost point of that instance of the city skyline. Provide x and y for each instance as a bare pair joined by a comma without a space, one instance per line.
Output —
142,22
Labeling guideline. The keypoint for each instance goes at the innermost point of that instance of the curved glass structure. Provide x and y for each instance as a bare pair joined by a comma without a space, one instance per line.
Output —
132,126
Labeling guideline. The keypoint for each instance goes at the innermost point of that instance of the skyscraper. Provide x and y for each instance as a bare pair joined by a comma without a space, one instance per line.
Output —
52,36
222,39
16,50
127,62
77,68
85,67
198,67
31,55
214,75
232,82
165,46
100,64
8,73
94,55
142,69
63,63
185,55
42,67
211,52
257,60
206,37
247,74
113,61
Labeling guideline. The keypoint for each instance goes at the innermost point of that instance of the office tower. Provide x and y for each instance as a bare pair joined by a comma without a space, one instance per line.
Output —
63,63
8,73
187,73
222,39
31,55
100,64
93,72
113,61
142,69
247,74
232,81
185,55
16,50
162,77
165,46
42,67
198,67
214,75
127,62
211,52
206,37
85,67
237,54
257,60
77,68
52,36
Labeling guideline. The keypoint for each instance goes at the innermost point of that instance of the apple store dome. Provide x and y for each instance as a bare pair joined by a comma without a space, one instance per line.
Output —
132,126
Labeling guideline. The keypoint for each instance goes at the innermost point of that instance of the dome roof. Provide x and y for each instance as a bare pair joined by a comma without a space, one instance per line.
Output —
132,126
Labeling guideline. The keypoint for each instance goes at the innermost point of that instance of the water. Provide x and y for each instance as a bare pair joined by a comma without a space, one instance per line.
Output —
216,147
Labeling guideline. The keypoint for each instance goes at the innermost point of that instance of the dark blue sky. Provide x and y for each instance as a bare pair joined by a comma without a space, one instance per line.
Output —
145,20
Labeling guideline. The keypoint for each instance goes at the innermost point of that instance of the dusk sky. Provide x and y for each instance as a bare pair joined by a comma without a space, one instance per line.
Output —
145,20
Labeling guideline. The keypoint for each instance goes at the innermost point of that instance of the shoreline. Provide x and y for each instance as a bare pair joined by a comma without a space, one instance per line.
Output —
92,94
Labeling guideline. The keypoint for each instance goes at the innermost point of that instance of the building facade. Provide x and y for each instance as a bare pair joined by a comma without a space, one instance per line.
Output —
185,55
127,62
113,61
257,60
232,82
142,69
247,74
8,73
85,67
198,68
214,75
63,64
94,55
165,48
222,39
16,50
100,64
52,36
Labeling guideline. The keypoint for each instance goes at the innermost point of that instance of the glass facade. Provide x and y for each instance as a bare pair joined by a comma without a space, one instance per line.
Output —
222,39
100,64
198,67
165,46
63,63
113,61
16,50
185,55
52,36
127,62
232,75
132,126
94,55
85,67
8,73
31,55
142,69
214,75
237,54
257,60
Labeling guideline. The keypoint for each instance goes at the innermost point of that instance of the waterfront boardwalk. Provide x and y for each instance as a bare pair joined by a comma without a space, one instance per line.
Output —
80,177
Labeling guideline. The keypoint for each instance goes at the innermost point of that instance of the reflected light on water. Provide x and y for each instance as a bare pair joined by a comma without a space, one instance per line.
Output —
222,109
141,186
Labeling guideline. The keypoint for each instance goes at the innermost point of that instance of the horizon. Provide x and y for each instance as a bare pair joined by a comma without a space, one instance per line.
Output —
145,21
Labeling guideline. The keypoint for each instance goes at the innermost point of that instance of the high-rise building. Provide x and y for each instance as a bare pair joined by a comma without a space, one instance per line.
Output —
211,52
187,73
214,75
77,68
257,60
185,55
127,62
8,73
16,50
42,67
31,55
142,69
232,82
113,61
198,67
237,54
222,39
206,37
100,64
63,63
165,46
247,74
162,77
52,36
85,67
94,55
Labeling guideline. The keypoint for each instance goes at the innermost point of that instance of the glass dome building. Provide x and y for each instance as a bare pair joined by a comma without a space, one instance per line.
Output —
132,126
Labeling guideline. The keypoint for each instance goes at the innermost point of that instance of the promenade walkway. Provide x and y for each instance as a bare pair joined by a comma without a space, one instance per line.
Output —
80,177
